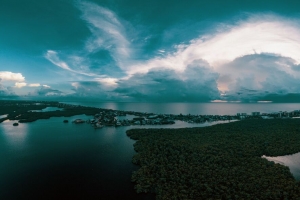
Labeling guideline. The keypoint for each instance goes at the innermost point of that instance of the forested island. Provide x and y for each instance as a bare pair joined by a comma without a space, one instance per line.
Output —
217,162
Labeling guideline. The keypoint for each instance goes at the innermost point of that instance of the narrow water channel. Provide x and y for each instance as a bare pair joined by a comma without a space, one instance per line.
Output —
291,161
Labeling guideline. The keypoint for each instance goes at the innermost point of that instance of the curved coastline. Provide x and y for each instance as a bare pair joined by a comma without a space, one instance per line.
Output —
29,111
217,162
26,111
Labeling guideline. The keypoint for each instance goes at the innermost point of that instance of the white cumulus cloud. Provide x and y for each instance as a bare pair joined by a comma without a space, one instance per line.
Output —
10,76
46,86
34,85
20,84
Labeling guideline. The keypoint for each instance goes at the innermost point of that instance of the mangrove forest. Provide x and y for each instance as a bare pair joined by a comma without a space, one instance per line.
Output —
217,162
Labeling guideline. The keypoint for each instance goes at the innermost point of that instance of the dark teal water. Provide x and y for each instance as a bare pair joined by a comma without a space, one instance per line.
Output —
48,109
195,108
48,159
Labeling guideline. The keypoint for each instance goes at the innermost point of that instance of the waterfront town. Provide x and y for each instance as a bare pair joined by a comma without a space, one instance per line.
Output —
28,111
110,118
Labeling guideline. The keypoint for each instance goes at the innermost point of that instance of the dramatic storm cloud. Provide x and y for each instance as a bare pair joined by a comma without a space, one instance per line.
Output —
160,51
196,83
259,75
6,91
89,89
45,91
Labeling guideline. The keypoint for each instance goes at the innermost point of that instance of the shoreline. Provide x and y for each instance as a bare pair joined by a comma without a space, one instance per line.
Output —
22,111
217,161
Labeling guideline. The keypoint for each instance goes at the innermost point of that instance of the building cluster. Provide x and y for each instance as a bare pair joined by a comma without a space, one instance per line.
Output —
273,115
114,118
118,118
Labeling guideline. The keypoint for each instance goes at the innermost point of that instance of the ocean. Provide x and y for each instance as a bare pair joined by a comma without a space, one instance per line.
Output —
48,159
194,108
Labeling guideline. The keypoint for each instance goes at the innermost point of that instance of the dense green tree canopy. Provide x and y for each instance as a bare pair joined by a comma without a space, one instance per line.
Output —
217,162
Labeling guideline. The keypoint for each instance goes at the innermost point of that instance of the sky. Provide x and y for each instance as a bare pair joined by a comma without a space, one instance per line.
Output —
150,51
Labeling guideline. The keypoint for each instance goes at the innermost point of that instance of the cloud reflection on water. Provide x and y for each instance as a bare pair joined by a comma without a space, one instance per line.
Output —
15,135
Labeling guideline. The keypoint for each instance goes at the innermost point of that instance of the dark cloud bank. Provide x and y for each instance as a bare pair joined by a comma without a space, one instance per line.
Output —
257,77
46,92
6,92
262,77
197,83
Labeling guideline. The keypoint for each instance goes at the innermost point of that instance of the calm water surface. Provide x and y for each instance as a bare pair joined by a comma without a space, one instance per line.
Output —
48,159
48,109
292,161
196,108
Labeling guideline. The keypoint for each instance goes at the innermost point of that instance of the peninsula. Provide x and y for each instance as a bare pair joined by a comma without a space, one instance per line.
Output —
217,162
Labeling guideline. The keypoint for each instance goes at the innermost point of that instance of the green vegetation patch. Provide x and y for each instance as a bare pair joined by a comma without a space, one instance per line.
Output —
217,162
22,110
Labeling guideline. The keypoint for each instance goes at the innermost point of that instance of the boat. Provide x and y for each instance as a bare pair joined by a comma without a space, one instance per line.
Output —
78,121
66,121
15,124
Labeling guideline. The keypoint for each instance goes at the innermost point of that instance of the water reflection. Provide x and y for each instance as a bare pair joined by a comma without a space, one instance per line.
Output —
291,161
3,116
48,109
195,108
15,135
